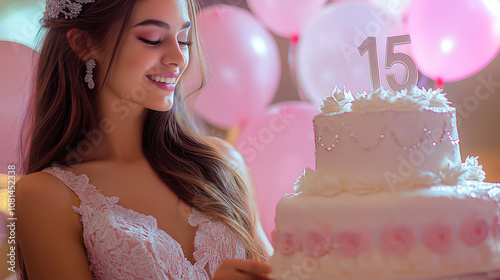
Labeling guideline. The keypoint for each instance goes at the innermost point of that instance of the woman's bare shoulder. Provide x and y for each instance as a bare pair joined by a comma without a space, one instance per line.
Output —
41,197
49,231
42,187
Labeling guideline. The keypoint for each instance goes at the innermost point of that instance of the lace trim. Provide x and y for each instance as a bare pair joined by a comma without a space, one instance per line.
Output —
214,241
80,184
211,242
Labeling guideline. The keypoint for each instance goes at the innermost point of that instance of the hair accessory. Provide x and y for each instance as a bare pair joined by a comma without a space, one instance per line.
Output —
70,9
90,69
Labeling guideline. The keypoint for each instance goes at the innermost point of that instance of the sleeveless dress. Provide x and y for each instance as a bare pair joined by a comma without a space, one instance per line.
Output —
124,244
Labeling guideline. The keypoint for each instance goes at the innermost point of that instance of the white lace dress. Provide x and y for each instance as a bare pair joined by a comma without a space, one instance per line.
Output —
124,244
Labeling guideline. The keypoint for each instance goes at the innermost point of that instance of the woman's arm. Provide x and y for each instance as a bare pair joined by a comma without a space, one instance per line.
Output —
48,231
238,163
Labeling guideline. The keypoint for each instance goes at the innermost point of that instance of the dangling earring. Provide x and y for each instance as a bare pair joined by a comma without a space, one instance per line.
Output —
90,69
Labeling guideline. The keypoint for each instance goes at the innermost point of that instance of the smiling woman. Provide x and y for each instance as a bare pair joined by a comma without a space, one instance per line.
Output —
117,182
153,49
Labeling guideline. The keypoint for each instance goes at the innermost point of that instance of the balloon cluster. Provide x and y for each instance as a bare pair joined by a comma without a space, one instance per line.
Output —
450,40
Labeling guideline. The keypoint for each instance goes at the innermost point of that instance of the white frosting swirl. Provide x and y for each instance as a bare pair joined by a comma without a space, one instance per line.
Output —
452,174
425,178
381,99
374,101
313,183
340,101
310,183
474,171
436,98
306,182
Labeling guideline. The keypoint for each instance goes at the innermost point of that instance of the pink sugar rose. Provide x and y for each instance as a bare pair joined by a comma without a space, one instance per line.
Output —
275,234
318,241
397,239
351,243
437,236
289,241
474,231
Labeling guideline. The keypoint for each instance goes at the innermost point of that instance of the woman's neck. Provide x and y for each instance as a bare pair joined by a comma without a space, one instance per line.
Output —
118,133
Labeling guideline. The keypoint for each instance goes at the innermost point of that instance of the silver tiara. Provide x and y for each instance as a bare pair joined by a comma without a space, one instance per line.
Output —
70,9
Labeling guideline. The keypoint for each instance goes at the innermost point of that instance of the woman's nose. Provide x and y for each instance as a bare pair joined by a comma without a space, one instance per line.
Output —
175,54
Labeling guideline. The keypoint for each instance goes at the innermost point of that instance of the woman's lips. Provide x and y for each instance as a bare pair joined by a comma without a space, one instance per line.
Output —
166,81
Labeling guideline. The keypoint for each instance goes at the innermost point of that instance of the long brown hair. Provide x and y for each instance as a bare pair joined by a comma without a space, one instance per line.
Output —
63,110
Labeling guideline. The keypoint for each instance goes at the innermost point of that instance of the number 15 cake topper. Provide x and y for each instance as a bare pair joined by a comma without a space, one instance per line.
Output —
391,58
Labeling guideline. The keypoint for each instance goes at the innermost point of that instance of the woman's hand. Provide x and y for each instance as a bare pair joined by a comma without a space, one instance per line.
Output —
242,269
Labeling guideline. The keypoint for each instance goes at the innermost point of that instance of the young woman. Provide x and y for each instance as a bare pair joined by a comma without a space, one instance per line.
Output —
118,184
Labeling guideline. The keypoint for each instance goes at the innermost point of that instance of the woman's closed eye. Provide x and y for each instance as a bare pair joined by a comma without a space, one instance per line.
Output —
155,43
151,43
187,43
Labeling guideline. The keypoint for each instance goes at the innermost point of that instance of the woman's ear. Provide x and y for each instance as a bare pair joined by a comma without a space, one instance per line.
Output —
79,42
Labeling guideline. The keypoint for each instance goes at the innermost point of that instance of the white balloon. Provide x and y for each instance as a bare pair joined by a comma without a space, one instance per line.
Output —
396,7
327,52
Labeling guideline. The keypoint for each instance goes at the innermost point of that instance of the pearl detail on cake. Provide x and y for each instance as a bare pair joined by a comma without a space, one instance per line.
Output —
329,147
426,135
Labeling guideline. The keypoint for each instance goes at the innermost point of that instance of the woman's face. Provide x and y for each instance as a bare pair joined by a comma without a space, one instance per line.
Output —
152,56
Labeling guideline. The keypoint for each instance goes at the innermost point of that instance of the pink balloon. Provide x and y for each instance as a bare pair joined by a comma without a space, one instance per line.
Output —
16,78
285,17
292,57
327,52
453,40
277,146
244,62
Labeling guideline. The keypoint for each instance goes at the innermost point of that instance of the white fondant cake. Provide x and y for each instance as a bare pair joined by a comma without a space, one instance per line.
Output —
390,197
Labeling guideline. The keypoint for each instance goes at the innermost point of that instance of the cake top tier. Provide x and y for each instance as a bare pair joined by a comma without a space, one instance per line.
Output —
380,99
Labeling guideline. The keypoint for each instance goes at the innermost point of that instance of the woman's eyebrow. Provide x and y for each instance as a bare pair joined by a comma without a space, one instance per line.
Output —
161,24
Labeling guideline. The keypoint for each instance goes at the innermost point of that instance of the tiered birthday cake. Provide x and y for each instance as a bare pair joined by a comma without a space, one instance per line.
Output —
390,197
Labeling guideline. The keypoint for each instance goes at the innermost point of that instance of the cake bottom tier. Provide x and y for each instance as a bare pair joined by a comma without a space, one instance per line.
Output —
491,275
419,234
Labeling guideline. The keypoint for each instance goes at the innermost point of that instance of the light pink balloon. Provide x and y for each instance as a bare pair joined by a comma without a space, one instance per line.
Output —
16,79
452,40
285,17
277,146
244,66
327,52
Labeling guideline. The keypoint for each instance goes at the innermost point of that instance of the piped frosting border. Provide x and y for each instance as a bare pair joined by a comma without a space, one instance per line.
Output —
312,183
380,99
